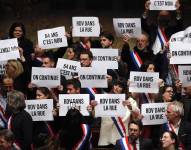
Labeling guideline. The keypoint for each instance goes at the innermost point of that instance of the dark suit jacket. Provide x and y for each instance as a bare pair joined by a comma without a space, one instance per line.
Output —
184,134
145,144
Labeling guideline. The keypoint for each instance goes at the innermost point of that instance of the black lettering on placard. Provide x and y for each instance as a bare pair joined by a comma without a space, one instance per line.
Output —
37,113
45,77
168,3
85,23
31,107
156,116
110,107
120,25
149,110
188,78
106,58
52,41
160,110
65,66
158,3
72,67
130,31
92,77
144,85
55,34
74,101
42,106
186,72
148,79
65,73
5,50
188,35
137,78
85,29
181,53
47,35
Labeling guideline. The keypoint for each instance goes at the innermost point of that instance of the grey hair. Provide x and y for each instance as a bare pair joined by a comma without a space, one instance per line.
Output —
16,100
178,107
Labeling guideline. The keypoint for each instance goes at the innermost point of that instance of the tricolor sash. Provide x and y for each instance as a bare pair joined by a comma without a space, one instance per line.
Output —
15,144
86,134
125,143
2,117
119,125
161,39
136,59
91,92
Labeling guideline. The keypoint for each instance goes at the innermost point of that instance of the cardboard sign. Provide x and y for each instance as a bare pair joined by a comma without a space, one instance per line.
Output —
78,101
85,27
52,38
130,26
154,113
48,77
107,58
163,4
144,82
9,49
69,68
185,75
40,110
93,77
2,67
110,105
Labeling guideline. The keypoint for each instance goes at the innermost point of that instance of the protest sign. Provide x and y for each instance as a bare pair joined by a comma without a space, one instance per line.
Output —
9,49
107,58
2,67
69,68
154,113
52,38
144,82
40,110
130,26
48,77
91,77
185,75
180,47
110,105
85,27
78,101
162,5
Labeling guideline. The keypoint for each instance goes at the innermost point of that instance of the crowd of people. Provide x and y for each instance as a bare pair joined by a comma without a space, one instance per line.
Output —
77,132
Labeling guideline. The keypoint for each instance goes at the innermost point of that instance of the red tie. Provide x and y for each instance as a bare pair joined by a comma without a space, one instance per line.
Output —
134,146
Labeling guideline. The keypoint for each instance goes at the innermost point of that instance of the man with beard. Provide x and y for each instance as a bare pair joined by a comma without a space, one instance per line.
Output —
134,141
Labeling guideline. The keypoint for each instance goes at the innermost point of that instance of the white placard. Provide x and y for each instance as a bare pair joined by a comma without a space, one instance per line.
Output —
187,35
40,110
163,4
85,27
2,67
184,73
154,113
69,68
48,77
180,53
93,77
52,38
110,105
9,49
144,82
78,101
130,26
106,58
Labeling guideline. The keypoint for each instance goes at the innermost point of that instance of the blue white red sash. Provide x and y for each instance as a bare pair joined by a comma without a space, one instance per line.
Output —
119,125
91,92
125,143
15,144
136,59
86,134
2,117
160,40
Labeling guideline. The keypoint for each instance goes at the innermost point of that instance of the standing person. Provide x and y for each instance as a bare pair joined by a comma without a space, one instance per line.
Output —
76,133
134,140
20,121
169,141
180,127
17,30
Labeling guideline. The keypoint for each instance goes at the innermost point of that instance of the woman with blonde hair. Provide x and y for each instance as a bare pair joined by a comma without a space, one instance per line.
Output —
19,72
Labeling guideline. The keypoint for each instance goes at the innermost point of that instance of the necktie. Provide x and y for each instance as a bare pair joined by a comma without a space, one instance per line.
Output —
134,146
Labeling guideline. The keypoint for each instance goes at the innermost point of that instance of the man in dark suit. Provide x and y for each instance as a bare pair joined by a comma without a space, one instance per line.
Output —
182,128
134,141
